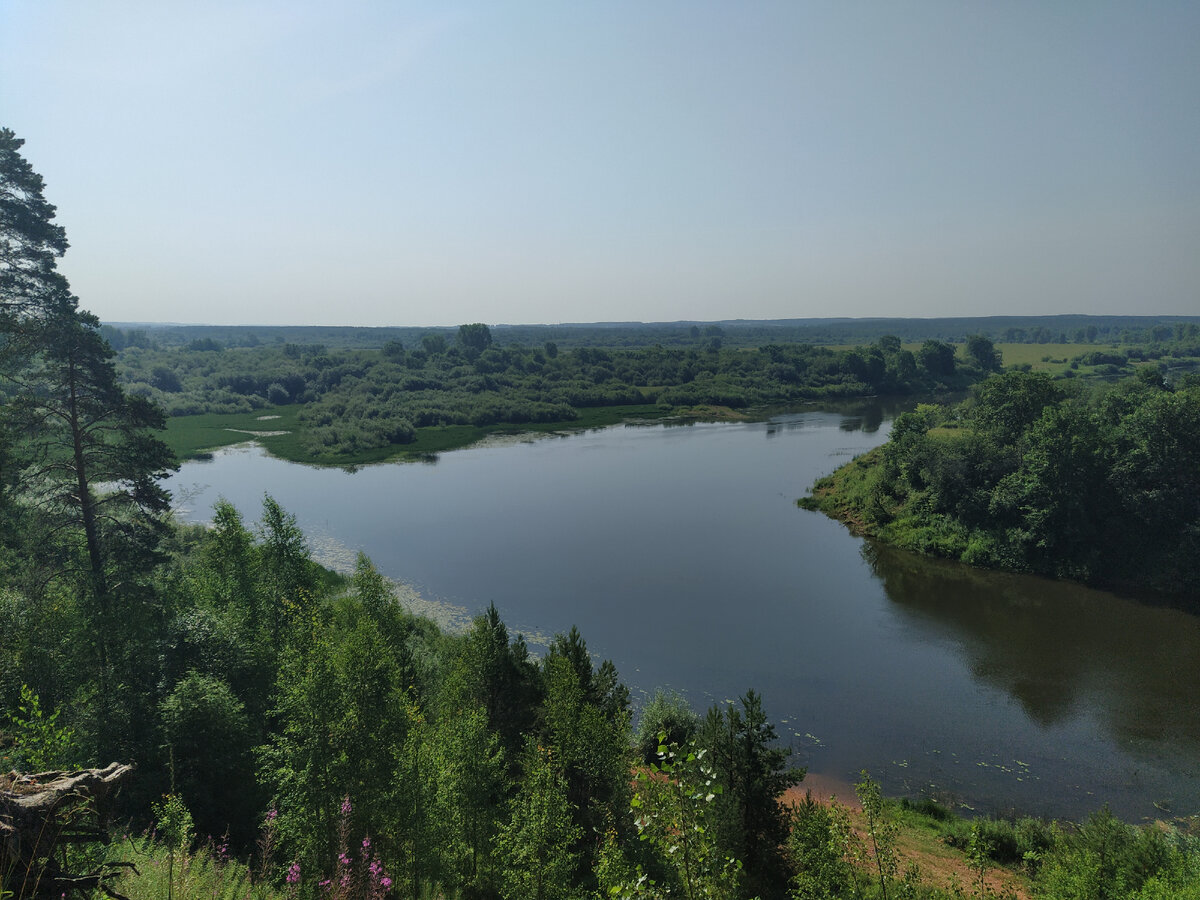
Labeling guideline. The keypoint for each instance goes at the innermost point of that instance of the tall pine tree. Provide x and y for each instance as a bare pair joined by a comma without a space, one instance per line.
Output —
81,465
30,246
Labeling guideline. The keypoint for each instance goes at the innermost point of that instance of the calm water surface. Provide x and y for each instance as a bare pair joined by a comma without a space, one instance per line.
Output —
681,555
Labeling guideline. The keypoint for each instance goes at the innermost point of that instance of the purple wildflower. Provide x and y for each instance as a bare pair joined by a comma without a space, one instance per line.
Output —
293,875
385,882
346,807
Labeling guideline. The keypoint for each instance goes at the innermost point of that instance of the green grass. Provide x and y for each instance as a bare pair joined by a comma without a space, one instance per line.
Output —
846,492
190,436
948,432
193,436
1056,359
198,874
1053,358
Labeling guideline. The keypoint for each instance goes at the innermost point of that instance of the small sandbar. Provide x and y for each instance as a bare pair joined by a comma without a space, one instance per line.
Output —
260,434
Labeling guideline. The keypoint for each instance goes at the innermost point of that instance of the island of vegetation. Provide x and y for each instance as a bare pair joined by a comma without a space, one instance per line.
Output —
206,712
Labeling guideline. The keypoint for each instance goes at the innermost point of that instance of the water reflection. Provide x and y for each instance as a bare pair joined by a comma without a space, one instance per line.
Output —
1061,650
865,415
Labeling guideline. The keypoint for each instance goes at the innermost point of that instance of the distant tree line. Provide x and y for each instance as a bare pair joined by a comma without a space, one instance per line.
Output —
1078,329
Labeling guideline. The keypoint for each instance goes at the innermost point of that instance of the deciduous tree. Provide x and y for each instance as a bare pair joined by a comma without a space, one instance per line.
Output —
474,338
536,844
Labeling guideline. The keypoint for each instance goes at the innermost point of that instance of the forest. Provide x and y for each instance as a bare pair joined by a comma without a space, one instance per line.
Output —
294,732
354,401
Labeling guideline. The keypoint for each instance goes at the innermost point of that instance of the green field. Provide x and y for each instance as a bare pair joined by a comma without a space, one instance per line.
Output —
1052,358
191,436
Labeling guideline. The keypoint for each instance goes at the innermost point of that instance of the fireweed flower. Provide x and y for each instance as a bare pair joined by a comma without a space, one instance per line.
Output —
293,875
385,882
346,807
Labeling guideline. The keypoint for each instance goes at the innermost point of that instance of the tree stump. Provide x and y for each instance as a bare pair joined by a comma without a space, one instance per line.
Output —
43,812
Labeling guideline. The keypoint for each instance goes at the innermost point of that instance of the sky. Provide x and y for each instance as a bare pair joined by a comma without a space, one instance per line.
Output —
412,163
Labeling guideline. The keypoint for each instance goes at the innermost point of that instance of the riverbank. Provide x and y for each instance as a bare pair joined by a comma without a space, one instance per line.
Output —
281,433
924,837
844,495
1030,477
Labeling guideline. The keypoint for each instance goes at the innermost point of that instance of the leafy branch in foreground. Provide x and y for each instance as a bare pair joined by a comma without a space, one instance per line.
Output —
674,813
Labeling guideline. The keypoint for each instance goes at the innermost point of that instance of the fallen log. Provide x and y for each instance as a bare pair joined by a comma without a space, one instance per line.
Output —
41,812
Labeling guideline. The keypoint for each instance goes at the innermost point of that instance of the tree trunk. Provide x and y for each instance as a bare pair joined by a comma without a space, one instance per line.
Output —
39,813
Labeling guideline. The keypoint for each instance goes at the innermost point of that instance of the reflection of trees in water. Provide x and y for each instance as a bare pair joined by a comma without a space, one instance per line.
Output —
1060,648
869,413
868,421
874,411
865,414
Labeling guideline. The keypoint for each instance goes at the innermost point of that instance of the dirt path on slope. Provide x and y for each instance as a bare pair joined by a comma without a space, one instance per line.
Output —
941,865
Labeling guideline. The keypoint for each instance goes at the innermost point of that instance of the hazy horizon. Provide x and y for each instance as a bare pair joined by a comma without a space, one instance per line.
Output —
375,164
733,323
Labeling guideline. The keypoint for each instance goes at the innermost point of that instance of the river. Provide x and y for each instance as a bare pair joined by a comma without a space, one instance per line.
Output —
681,555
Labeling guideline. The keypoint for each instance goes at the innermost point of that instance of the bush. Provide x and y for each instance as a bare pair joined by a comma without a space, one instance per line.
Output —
669,713
929,808
816,847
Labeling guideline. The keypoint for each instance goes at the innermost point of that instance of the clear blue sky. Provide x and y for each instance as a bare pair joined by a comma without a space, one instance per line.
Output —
411,163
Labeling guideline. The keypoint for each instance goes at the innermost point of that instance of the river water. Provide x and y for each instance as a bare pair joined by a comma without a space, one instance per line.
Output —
681,555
